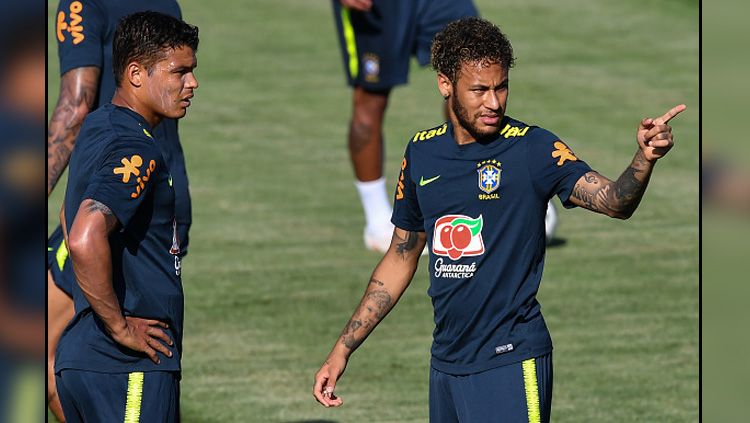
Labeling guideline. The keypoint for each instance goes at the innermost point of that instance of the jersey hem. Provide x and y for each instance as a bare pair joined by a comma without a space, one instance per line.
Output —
467,369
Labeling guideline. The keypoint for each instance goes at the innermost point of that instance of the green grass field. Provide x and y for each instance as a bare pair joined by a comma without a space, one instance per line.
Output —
276,263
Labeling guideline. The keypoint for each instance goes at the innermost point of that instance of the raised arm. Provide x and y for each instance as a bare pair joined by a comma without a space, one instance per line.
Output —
620,198
389,280
78,90
92,264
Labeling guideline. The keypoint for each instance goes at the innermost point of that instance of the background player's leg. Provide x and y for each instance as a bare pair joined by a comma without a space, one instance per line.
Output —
550,221
59,312
366,153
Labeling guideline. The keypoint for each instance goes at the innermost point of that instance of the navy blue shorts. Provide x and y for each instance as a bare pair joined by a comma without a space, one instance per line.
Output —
119,397
518,392
377,45
59,263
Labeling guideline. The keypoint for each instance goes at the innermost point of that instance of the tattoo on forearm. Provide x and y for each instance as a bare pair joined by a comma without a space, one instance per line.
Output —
619,198
628,186
376,282
375,305
77,92
404,246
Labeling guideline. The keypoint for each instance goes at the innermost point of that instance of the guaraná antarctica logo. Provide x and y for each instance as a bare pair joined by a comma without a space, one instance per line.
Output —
457,236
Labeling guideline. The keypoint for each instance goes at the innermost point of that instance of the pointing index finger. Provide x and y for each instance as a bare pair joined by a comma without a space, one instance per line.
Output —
666,117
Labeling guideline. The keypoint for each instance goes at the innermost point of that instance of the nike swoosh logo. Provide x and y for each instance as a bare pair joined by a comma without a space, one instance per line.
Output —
423,181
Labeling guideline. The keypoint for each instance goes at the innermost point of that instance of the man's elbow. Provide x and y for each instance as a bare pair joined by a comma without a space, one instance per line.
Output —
621,214
80,241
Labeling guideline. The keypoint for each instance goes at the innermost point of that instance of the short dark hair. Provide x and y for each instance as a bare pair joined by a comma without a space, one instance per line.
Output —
144,37
469,40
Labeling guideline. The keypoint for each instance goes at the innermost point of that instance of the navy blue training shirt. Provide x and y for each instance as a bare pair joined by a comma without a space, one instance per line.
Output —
85,31
482,206
117,163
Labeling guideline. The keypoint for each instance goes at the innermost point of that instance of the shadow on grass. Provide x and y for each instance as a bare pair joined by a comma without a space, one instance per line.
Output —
312,421
556,242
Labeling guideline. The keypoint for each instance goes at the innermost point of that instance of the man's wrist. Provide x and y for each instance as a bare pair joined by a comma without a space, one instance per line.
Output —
340,352
117,329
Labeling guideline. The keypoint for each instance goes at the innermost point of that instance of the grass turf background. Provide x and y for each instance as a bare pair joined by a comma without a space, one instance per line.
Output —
276,263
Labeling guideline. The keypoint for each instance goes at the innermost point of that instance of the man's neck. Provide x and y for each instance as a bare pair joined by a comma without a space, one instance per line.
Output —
130,101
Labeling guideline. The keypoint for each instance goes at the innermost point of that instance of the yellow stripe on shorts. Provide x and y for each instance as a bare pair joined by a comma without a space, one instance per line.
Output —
61,255
532,390
351,45
133,403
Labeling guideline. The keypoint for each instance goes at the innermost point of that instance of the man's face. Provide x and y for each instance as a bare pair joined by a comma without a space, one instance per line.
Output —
478,98
171,82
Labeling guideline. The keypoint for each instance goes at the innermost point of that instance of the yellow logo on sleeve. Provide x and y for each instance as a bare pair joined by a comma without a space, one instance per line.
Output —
513,131
400,186
563,153
129,167
74,27
427,134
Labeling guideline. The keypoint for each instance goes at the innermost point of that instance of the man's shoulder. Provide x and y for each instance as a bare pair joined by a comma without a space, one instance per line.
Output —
116,128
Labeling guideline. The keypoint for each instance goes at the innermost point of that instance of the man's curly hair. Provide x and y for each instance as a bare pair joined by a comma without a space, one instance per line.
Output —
469,40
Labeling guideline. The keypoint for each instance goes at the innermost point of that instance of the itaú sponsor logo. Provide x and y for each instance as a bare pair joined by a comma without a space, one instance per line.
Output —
454,271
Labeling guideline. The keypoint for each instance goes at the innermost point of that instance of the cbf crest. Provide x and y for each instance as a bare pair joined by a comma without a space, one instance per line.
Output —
488,179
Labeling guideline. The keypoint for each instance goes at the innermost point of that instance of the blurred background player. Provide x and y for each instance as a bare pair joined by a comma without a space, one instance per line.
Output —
119,358
22,122
84,33
725,186
378,39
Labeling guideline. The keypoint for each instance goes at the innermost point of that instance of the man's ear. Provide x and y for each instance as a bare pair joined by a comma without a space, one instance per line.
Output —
134,74
445,86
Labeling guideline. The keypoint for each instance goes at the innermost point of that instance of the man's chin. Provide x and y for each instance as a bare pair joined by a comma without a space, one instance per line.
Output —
177,114
487,132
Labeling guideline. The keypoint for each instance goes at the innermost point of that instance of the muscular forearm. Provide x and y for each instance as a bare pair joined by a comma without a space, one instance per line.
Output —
617,199
92,261
78,89
92,265
629,188
388,282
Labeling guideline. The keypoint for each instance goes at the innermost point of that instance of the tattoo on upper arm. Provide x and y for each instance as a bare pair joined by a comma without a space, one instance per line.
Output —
406,245
94,205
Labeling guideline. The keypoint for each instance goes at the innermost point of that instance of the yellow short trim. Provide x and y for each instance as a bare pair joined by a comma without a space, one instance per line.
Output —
532,390
61,255
351,44
133,403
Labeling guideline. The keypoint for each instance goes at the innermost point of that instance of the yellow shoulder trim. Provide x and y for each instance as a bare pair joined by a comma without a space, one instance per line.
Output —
430,133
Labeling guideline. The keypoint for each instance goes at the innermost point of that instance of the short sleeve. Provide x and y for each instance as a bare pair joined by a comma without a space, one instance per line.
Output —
406,212
80,27
125,177
554,168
